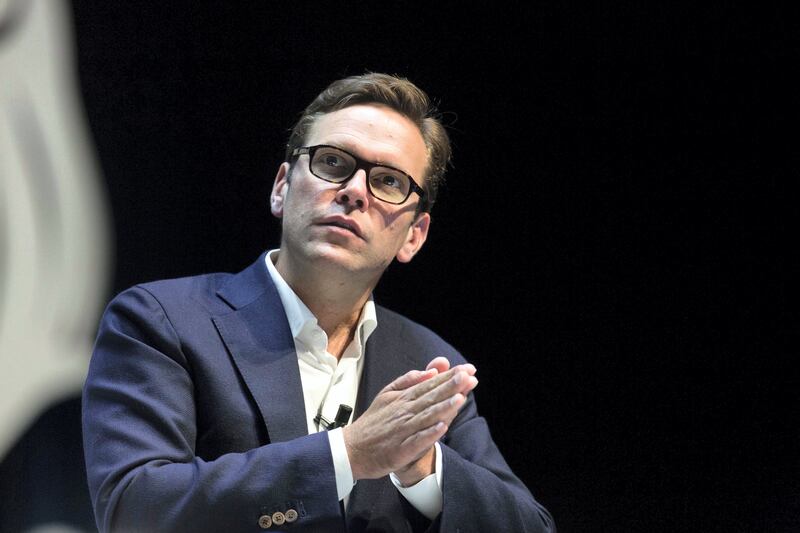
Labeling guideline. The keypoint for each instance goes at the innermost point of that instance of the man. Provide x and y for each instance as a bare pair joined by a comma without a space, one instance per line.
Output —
207,399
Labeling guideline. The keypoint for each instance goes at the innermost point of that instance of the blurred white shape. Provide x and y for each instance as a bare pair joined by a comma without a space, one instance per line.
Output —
54,527
54,249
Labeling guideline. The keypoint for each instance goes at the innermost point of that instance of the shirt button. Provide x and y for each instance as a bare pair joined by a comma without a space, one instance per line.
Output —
264,521
278,518
291,515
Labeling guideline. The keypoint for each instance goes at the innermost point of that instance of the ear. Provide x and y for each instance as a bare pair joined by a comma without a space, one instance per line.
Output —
279,190
417,234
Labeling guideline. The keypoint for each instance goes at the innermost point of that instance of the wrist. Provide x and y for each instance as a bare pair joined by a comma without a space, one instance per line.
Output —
352,456
418,470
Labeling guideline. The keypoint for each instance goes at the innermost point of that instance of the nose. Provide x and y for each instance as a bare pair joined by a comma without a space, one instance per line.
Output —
354,193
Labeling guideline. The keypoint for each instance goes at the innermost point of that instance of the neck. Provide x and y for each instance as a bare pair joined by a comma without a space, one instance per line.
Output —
335,297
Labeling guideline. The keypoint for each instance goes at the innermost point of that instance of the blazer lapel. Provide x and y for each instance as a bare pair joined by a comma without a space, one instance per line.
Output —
384,361
259,339
376,499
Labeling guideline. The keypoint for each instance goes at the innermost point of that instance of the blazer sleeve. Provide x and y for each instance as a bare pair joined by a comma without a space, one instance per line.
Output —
480,492
139,442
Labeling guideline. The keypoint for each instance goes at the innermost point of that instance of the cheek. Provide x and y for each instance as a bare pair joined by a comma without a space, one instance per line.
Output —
304,196
399,232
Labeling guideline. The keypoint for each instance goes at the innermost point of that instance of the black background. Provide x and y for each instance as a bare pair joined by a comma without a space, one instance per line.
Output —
611,249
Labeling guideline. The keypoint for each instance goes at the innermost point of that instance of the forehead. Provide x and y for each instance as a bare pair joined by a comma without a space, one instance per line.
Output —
375,133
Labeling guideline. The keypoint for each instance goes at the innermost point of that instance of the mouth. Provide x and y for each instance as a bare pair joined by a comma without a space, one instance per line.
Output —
339,222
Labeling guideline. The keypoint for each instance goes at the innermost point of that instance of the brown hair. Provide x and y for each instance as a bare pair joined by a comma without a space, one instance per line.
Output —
396,93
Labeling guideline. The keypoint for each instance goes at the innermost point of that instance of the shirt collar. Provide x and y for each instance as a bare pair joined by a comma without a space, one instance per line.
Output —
302,321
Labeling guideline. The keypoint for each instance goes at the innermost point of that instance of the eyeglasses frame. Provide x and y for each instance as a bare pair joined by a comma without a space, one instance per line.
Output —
360,164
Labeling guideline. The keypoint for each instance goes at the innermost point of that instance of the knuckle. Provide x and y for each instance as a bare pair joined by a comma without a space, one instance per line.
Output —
407,395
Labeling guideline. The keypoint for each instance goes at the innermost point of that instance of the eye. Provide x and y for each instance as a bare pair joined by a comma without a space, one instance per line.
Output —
388,181
332,160
332,164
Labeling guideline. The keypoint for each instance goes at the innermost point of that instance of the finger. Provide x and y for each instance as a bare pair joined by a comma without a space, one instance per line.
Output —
430,384
444,411
439,363
429,373
410,379
469,384
454,381
420,441
469,368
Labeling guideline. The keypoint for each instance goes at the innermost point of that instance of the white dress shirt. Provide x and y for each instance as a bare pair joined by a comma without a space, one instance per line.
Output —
328,383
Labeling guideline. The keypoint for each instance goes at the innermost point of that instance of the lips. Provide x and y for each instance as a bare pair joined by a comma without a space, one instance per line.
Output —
342,222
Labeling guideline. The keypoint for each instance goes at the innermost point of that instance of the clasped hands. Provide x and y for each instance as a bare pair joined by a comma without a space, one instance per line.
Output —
398,430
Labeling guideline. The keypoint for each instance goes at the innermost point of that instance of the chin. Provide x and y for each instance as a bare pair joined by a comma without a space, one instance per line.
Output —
342,258
332,253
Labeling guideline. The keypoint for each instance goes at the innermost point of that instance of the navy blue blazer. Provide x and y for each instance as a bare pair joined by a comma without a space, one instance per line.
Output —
194,420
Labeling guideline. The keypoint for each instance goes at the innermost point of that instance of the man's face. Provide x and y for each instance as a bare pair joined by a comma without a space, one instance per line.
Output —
343,225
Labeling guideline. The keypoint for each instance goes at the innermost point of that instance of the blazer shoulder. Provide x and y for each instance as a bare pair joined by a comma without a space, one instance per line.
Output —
401,329
180,295
189,286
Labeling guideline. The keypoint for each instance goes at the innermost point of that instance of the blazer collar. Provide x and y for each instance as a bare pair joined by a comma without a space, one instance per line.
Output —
248,285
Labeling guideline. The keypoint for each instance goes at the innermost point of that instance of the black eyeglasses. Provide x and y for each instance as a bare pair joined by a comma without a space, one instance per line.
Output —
335,165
